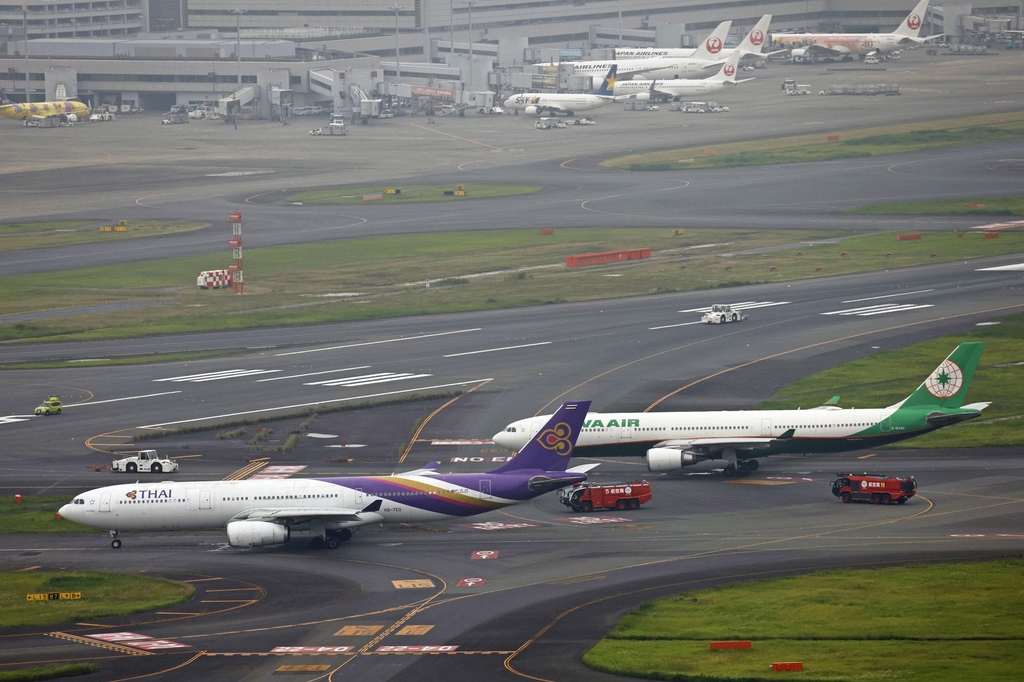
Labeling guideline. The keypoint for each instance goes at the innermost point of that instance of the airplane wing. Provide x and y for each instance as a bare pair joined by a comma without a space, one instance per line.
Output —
295,515
429,469
713,447
815,50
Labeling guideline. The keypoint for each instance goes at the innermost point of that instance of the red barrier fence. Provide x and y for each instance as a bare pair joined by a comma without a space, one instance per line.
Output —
991,235
791,666
907,237
741,644
606,257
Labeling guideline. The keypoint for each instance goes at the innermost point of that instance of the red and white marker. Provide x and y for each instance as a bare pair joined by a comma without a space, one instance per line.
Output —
485,554
471,582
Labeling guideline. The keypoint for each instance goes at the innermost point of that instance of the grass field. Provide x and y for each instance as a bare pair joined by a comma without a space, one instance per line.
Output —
997,206
914,624
309,284
48,672
19,236
36,514
888,377
103,595
876,141
410,194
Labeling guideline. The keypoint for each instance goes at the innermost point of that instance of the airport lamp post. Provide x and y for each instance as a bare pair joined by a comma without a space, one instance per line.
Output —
451,26
24,24
238,41
470,4
398,58
620,23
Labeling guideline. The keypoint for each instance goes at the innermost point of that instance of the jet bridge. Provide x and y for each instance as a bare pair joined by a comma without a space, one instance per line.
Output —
231,106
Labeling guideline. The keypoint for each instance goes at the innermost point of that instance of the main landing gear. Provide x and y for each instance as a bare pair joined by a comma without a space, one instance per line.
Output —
116,542
741,468
332,539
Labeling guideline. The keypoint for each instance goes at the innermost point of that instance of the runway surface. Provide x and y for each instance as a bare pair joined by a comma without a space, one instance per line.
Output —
552,582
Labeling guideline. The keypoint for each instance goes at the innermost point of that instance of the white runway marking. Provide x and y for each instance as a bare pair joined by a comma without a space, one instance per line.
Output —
670,326
1003,268
366,380
313,374
374,343
14,418
875,298
884,309
217,376
742,305
495,350
117,400
318,402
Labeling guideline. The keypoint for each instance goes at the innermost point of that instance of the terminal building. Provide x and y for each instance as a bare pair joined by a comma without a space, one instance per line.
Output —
152,54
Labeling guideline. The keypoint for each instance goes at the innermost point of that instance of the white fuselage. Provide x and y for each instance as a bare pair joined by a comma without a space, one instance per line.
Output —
658,67
670,88
556,102
843,43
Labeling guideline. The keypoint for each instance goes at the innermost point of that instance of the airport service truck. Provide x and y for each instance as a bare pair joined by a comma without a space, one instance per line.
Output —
588,496
146,460
874,488
720,314
214,279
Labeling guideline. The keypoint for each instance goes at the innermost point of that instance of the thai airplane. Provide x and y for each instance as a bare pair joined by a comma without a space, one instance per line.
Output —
267,512
849,45
673,440
644,91
540,103
69,111
705,58
749,47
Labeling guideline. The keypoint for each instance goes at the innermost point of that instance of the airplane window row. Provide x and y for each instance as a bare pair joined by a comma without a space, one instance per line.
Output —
145,501
292,497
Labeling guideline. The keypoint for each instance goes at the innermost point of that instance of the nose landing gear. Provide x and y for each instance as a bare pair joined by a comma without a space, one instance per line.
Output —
116,542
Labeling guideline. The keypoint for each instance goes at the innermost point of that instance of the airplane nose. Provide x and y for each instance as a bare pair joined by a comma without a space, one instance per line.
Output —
66,511
501,438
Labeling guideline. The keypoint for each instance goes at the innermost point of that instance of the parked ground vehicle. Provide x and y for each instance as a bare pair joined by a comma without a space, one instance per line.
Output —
491,110
546,123
720,314
51,405
584,122
588,496
146,460
874,488
101,116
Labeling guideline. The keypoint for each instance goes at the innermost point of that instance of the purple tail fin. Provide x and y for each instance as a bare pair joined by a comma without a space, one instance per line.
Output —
552,446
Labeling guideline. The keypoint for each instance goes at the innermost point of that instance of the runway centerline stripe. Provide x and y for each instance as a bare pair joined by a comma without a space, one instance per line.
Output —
313,374
374,343
318,402
495,350
670,326
875,298
117,400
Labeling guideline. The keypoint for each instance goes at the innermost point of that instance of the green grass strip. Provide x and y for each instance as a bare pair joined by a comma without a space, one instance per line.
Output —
409,194
48,672
924,622
889,376
103,595
37,514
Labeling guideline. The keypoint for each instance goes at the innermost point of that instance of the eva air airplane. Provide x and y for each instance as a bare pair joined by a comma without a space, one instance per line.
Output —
257,513
673,440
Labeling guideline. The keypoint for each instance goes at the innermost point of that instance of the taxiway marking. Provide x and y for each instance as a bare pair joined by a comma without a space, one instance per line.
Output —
15,418
218,376
366,380
670,326
495,350
315,403
742,305
313,374
374,343
882,309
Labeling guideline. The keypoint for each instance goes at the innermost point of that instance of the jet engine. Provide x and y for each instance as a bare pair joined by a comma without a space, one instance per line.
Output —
71,118
531,110
643,97
800,52
256,533
668,459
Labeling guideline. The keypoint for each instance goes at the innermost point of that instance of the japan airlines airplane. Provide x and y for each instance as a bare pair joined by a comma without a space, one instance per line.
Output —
705,58
68,110
672,440
848,45
541,103
672,89
266,512
749,47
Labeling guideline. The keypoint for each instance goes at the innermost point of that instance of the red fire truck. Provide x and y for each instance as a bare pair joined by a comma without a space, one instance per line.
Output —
587,497
874,488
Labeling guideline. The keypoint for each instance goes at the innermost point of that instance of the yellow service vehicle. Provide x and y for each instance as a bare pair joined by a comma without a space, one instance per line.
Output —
51,405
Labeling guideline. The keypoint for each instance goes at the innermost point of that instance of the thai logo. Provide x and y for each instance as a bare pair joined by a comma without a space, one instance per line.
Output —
556,439
756,37
714,45
130,494
945,381
914,22
729,70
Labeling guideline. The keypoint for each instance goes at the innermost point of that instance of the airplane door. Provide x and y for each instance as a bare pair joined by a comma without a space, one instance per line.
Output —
766,427
885,426
205,499
626,432
105,502
359,496
485,489
534,428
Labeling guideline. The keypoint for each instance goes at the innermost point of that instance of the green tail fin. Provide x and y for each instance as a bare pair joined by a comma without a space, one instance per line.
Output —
947,385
